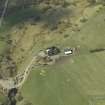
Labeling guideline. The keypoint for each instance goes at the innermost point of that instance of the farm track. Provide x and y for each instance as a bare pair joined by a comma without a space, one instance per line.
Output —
4,11
21,77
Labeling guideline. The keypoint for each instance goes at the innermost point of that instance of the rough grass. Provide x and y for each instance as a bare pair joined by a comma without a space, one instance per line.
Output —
68,82
71,82
2,98
2,47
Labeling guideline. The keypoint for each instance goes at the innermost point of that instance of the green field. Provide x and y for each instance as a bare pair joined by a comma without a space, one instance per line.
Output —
2,98
71,80
2,46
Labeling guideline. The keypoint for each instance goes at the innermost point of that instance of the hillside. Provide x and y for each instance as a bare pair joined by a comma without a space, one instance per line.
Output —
73,80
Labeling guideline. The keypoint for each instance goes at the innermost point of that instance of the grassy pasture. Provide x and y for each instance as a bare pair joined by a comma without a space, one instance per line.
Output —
70,82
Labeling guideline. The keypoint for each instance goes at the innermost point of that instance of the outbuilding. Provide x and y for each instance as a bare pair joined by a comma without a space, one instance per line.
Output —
68,51
51,51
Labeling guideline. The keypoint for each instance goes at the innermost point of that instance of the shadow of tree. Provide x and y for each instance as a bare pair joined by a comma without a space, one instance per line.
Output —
97,50
51,17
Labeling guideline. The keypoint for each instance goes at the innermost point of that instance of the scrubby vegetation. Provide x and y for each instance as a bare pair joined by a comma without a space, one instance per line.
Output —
33,25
